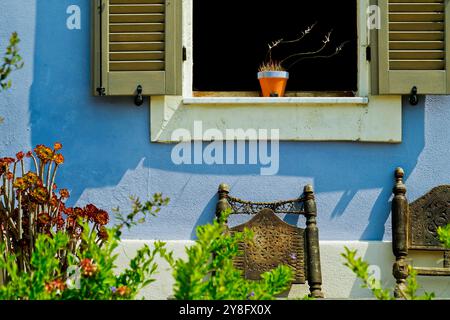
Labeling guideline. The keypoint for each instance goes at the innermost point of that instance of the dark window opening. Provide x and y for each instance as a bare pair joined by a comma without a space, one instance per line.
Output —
231,38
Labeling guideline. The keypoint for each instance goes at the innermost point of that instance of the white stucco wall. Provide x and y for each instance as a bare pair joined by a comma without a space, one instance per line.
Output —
338,281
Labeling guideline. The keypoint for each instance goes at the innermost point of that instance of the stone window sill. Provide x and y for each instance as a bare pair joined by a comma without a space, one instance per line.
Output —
375,119
294,101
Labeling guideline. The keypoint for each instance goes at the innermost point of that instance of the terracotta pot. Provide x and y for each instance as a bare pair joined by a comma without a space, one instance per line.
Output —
273,83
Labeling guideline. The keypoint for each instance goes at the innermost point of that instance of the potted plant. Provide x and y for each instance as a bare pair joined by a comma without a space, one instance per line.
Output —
273,74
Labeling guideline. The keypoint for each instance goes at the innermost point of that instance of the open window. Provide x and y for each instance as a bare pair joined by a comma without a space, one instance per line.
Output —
230,41
140,43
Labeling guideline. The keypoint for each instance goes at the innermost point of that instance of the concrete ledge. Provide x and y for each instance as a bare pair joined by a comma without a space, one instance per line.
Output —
338,281
294,101
374,119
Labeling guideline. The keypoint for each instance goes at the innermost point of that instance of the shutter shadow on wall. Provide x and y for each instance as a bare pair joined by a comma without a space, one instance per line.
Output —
137,42
413,46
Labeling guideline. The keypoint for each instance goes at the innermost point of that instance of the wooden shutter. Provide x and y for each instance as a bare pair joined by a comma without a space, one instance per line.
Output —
137,42
413,46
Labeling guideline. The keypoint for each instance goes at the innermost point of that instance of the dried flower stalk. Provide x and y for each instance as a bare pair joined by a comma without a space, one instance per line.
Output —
274,65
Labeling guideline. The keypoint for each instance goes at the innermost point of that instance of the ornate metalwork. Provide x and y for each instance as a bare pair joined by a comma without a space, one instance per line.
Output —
275,243
239,206
428,214
414,227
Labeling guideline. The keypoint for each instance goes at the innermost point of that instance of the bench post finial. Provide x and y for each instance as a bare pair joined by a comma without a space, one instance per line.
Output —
222,204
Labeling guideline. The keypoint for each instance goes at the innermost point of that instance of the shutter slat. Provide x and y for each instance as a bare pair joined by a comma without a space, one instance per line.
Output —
136,27
406,1
136,56
416,36
416,7
136,66
131,18
416,17
417,26
417,45
136,46
149,8
417,64
135,1
416,55
136,37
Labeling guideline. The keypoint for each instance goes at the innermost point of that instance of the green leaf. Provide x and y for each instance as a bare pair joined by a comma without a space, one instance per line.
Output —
11,62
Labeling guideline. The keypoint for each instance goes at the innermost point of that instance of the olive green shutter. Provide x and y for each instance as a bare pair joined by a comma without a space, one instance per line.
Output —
413,46
137,43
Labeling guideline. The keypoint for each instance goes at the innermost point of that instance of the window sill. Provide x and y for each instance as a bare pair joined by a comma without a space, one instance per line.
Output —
294,101
358,119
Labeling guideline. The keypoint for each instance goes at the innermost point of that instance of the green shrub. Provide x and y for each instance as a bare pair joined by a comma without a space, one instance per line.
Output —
444,235
11,61
361,269
92,272
208,272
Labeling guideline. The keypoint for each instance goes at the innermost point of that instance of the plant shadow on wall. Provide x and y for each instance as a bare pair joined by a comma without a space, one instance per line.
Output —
110,156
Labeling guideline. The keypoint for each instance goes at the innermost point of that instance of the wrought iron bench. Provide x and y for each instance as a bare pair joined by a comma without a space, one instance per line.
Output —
276,242
414,228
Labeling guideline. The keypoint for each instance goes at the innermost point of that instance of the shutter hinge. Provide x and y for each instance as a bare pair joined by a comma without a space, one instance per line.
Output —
101,91
184,54
368,53
101,7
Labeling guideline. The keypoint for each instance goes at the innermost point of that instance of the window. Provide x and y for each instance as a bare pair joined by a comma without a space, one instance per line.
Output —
170,47
231,38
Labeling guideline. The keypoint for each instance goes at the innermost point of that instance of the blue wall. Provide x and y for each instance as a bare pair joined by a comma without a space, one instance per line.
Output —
109,155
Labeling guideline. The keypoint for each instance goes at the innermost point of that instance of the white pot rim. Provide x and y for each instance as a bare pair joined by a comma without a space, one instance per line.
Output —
273,74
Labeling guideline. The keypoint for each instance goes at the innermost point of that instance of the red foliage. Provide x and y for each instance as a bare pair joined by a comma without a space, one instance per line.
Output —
34,197
88,267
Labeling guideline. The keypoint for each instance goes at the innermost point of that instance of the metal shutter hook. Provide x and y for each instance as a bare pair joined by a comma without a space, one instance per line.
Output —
413,98
139,100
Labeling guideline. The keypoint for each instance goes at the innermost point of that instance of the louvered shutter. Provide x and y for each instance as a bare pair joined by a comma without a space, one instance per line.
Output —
413,46
137,42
